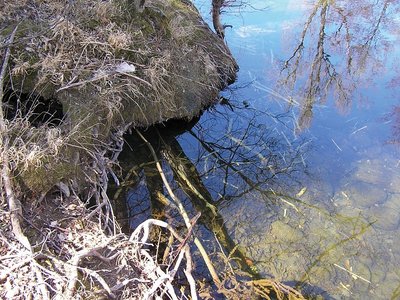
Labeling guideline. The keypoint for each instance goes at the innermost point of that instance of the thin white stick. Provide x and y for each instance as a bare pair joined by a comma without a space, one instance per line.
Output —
145,226
290,204
188,273
183,213
337,146
352,274
359,129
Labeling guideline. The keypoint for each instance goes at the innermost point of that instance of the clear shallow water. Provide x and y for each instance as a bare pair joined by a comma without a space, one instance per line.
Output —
304,174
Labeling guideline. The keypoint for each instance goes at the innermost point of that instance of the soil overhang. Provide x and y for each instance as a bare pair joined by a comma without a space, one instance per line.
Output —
111,65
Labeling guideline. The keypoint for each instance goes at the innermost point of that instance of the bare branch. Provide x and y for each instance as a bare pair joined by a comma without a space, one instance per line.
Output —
183,212
3,75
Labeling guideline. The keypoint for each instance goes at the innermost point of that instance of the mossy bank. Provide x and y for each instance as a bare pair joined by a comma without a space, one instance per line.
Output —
110,65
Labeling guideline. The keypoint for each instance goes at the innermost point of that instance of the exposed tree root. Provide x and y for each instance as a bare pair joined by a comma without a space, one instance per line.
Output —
14,205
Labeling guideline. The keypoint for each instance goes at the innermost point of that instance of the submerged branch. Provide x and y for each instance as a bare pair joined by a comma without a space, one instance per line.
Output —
190,182
183,212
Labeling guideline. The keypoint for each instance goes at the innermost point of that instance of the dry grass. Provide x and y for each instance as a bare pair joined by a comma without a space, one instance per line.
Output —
73,252
77,260
70,252
77,46
51,246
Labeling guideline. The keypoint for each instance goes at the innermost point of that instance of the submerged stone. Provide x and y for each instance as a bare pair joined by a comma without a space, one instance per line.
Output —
383,172
386,217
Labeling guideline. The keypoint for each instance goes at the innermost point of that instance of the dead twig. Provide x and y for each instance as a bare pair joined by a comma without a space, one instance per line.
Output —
74,266
101,280
145,226
5,273
14,204
163,280
183,213
263,287
3,75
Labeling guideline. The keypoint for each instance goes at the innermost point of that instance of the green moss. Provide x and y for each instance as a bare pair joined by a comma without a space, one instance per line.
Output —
29,26
42,179
181,77
7,30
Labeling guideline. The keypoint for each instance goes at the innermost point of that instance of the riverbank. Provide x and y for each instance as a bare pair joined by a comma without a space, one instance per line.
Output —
76,76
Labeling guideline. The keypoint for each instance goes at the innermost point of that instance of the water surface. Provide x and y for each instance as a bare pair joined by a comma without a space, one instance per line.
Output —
300,163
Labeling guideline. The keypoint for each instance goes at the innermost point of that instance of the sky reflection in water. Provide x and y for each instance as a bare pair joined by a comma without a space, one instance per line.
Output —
331,67
301,164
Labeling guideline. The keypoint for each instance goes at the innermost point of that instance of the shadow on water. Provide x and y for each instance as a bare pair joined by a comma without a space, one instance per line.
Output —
141,180
184,176
215,164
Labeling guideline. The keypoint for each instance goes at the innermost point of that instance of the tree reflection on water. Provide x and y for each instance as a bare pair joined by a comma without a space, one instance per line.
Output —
246,171
343,45
394,118
241,171
219,160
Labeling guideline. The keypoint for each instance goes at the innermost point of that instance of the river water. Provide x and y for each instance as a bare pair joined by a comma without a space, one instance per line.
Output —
299,164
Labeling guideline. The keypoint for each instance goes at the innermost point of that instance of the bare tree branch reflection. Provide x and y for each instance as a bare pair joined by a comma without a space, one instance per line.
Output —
350,43
249,157
190,182
219,6
235,157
